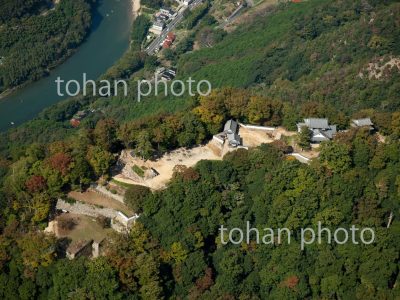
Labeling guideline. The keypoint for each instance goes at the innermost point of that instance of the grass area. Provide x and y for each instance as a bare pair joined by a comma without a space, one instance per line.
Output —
85,228
222,9
290,140
147,10
138,170
257,2
121,184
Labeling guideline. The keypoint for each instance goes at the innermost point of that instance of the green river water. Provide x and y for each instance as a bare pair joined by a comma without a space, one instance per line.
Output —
106,43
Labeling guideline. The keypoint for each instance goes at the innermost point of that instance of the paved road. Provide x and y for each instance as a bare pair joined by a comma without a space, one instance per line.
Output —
236,13
171,26
301,158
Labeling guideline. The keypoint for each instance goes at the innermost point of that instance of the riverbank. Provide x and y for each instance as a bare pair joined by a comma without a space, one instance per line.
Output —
135,8
8,92
93,57
56,64
57,61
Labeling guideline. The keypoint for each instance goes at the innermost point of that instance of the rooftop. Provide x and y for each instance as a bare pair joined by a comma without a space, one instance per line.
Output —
363,122
231,126
168,9
75,247
158,23
317,123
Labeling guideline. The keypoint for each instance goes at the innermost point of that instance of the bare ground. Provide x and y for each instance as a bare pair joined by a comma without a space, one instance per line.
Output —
165,165
85,228
254,138
95,198
189,157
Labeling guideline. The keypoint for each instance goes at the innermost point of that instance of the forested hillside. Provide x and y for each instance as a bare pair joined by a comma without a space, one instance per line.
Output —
295,61
17,8
310,51
312,57
32,43
177,252
270,191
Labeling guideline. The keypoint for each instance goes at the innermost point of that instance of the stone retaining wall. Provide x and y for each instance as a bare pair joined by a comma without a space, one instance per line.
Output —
266,128
86,209
102,190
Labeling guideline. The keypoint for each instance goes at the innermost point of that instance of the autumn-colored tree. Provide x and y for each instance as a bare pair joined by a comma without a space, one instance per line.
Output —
158,136
236,101
35,184
202,285
100,160
40,207
105,134
212,110
312,109
395,125
58,147
187,174
259,110
264,111
206,281
135,197
290,282
335,156
136,257
383,122
37,249
60,162
144,148
178,253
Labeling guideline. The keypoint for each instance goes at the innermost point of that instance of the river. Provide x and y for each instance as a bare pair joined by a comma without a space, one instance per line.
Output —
107,41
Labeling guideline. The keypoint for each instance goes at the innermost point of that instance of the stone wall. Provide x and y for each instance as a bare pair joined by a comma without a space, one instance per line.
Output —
86,209
102,190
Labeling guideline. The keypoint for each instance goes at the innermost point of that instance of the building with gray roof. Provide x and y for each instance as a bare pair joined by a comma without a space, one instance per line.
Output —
366,122
320,128
231,130
230,127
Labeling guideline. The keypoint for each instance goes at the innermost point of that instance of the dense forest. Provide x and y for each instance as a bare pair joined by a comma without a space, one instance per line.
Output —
276,41
319,50
32,40
294,61
11,9
174,250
